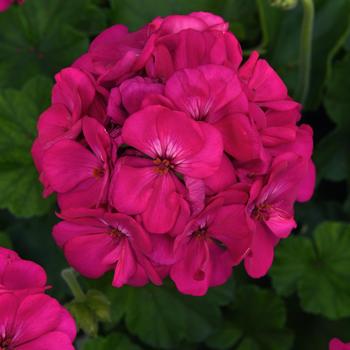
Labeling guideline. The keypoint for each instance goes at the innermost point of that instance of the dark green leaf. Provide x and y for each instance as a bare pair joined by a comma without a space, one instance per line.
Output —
41,37
319,269
332,156
114,341
162,317
332,21
20,190
257,321
337,99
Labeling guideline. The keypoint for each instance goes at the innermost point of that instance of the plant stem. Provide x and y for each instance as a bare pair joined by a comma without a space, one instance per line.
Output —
70,277
263,25
305,50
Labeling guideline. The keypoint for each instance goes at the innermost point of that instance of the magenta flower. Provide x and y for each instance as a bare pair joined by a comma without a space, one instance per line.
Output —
336,344
34,322
18,275
95,242
80,176
211,243
171,144
271,208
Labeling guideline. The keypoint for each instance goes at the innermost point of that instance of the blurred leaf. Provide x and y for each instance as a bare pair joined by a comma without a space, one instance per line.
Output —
318,268
293,256
162,317
337,99
5,241
332,156
114,341
310,214
257,321
332,22
20,190
41,37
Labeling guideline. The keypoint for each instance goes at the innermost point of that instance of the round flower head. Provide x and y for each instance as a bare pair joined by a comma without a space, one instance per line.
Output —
170,156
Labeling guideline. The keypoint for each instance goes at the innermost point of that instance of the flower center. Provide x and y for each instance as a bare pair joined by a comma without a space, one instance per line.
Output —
262,212
5,343
115,233
200,232
162,166
98,173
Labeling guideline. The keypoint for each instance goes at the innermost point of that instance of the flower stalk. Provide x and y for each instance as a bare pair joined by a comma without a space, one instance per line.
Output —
70,277
305,50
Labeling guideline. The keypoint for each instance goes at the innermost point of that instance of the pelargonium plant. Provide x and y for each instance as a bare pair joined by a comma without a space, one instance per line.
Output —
171,156
30,319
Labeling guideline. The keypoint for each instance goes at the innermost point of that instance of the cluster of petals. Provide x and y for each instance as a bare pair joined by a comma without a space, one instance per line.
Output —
336,344
171,157
30,319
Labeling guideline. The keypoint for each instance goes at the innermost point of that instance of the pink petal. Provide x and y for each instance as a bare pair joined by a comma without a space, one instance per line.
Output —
8,307
202,91
51,341
97,138
213,21
126,265
136,234
134,90
88,193
157,217
67,163
208,159
162,252
132,185
241,139
23,274
336,344
87,253
64,231
259,260
67,325
55,123
192,273
36,315
280,223
230,227
158,131
221,265
195,193
224,177
307,184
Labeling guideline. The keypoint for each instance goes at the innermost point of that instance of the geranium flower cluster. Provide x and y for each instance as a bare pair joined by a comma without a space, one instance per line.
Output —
30,319
170,156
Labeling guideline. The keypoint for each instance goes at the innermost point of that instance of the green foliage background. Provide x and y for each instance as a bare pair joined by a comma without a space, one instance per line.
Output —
305,300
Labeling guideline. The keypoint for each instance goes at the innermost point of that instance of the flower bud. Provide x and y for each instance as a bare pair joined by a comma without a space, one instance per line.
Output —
284,4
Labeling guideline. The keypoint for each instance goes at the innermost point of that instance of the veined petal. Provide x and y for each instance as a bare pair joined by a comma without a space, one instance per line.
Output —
67,163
